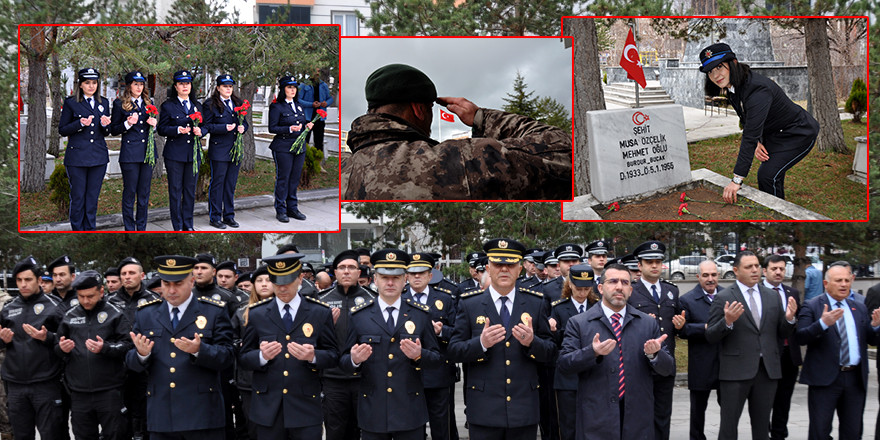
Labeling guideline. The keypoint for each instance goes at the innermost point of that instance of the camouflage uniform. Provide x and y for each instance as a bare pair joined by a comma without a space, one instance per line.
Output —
509,157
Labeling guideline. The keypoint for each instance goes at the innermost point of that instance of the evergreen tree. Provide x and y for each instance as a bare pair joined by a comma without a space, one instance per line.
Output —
520,101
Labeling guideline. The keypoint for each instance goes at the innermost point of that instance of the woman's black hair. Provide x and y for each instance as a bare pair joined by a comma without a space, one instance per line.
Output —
172,91
218,101
739,73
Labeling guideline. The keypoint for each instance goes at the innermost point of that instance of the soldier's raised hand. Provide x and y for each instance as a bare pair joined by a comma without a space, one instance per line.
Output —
465,109
492,335
7,334
142,343
270,349
602,348
66,345
360,353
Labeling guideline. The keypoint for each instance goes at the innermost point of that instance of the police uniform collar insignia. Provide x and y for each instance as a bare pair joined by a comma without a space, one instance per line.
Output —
102,317
317,301
262,301
155,301
201,322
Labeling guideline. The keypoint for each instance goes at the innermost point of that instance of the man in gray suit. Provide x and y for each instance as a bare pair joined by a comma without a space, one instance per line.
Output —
747,319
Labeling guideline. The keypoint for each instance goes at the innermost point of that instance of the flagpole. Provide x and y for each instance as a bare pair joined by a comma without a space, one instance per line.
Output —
439,125
636,36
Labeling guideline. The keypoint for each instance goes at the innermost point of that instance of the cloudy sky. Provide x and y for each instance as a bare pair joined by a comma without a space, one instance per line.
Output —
479,69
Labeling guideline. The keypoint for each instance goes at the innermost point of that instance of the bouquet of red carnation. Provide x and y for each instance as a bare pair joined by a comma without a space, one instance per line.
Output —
195,120
237,147
298,144
150,158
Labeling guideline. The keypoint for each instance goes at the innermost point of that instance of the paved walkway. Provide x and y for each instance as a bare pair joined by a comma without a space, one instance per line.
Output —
254,214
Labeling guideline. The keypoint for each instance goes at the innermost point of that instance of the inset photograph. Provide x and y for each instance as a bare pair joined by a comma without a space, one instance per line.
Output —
456,119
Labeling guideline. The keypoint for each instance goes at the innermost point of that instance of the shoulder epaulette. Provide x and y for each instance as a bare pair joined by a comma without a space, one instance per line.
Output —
212,301
149,303
262,301
317,301
417,305
560,301
532,292
361,307
472,293
447,291
669,282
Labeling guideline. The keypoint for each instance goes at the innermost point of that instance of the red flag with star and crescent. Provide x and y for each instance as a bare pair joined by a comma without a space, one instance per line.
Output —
631,62
446,116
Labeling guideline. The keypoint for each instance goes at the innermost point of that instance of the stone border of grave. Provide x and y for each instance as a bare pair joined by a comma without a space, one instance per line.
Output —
582,206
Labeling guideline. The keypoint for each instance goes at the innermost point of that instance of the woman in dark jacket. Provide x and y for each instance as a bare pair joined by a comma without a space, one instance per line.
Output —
286,120
775,130
130,119
85,120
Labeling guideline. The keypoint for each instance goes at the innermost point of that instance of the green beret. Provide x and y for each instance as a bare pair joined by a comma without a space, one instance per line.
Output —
399,83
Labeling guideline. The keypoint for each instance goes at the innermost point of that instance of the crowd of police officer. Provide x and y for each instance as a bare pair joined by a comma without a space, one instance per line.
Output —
195,352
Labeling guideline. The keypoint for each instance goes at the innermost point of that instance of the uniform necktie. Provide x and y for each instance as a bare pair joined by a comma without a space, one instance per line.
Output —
505,314
174,318
390,322
581,308
844,339
656,295
753,306
621,377
229,105
287,318
91,103
186,105
420,297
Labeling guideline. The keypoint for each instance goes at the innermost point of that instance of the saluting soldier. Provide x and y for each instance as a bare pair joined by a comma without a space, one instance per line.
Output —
658,298
31,371
502,335
286,398
183,342
389,341
93,340
63,273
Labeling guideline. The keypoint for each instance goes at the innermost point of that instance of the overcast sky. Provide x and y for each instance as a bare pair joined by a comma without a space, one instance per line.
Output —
479,69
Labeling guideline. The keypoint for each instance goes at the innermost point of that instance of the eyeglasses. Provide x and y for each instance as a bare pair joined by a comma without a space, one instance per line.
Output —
615,281
347,268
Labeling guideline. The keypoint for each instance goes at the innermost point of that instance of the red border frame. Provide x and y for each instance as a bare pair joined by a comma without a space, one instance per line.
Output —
868,122
559,37
339,162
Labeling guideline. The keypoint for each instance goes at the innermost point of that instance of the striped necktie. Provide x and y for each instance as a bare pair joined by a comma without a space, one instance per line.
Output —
621,379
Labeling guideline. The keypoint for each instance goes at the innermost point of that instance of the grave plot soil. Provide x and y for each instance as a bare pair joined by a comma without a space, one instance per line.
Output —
665,207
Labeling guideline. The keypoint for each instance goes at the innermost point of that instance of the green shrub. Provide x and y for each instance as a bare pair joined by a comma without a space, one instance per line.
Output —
857,103
59,189
311,166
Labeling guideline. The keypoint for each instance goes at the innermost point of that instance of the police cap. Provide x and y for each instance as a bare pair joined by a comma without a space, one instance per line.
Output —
86,280
650,250
504,250
284,269
714,55
390,261
174,267
420,262
581,275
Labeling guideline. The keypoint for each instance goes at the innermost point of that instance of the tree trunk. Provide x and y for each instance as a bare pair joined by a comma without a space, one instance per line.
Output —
250,152
821,86
588,93
159,96
57,95
799,275
34,163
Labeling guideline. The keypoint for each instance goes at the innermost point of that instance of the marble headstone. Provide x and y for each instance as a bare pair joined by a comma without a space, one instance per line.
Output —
636,151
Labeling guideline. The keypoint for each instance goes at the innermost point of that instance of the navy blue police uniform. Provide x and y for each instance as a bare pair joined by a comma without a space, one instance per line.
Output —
288,166
178,155
136,171
224,170
86,155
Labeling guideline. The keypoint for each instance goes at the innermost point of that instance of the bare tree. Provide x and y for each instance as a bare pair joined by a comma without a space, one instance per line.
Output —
821,78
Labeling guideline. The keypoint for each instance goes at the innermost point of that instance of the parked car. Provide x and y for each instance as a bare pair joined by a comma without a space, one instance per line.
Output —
688,267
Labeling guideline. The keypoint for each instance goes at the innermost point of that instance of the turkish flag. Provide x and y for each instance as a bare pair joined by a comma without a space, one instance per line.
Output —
446,116
631,62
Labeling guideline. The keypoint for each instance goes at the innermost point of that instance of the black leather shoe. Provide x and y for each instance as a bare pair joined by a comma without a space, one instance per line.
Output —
218,225
296,214
231,223
282,218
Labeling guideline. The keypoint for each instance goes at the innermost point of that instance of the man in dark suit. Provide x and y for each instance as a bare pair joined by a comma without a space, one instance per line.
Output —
702,356
774,273
748,320
502,335
183,342
836,331
658,298
614,349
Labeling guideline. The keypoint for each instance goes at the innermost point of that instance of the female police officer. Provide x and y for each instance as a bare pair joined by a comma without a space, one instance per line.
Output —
180,133
775,130
221,121
130,119
85,120
286,120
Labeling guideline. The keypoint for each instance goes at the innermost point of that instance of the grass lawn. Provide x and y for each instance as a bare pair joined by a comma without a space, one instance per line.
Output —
817,183
36,207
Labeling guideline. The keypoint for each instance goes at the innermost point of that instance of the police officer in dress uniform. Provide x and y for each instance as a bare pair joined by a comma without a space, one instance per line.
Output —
567,255
473,282
92,341
440,379
180,135
183,342
597,254
658,298
287,120
128,298
502,335
306,288
221,121
390,340
31,371
286,399
63,274
530,279
341,388
85,120
130,119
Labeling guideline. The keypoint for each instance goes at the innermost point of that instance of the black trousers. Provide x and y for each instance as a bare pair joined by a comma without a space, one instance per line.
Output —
100,408
771,173
278,432
549,426
246,396
759,392
200,434
699,403
566,409
782,401
846,395
318,130
36,405
414,434
453,425
340,408
663,387
493,433
438,412
134,395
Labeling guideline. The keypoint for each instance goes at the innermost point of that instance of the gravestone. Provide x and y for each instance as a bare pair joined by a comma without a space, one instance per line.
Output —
636,151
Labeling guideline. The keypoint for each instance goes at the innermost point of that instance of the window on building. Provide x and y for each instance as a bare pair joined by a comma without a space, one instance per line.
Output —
348,21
